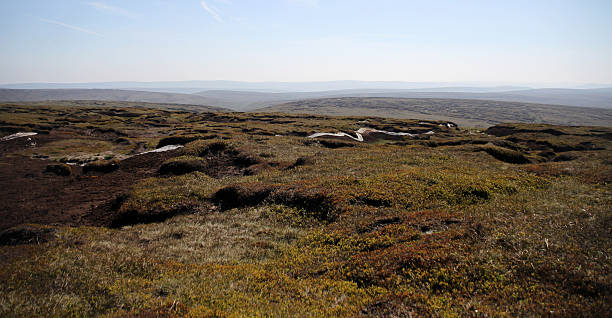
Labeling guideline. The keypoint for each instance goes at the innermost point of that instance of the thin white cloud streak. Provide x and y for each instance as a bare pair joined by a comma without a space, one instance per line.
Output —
101,6
211,11
72,27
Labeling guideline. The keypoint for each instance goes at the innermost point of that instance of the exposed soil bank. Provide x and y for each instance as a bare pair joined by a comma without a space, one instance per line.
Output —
31,195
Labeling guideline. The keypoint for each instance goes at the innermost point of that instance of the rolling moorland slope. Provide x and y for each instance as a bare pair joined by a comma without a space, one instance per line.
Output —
597,98
28,95
245,100
108,103
471,113
252,217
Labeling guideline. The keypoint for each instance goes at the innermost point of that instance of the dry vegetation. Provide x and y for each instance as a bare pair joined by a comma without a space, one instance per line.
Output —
251,218
466,112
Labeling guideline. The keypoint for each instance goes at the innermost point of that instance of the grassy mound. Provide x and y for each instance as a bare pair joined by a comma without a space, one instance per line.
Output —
314,202
177,140
224,159
60,169
301,161
219,148
182,165
202,148
505,155
129,209
126,216
103,166
244,194
27,234
333,144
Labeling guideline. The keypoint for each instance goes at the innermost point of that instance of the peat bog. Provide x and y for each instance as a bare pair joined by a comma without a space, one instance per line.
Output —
251,217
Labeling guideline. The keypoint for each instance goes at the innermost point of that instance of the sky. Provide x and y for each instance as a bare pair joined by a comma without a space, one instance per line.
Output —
488,41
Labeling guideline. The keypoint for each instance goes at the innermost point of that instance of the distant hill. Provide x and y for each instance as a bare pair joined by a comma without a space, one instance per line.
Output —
114,104
474,113
25,95
600,98
270,87
246,100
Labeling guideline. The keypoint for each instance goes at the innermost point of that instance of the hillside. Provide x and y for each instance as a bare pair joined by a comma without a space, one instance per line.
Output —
111,104
475,113
143,212
249,96
24,95
597,98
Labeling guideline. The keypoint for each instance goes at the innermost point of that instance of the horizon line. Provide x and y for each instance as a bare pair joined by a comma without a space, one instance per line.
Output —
496,83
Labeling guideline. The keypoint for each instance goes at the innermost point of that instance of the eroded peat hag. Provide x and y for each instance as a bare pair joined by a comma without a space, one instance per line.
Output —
111,211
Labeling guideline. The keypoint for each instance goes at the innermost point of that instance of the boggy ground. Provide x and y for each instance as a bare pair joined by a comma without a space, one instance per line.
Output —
252,218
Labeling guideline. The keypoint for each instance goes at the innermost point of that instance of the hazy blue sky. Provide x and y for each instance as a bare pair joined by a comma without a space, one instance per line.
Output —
549,41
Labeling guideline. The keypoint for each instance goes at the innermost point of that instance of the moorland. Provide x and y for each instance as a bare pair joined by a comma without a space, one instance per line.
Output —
138,210
466,112
247,96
